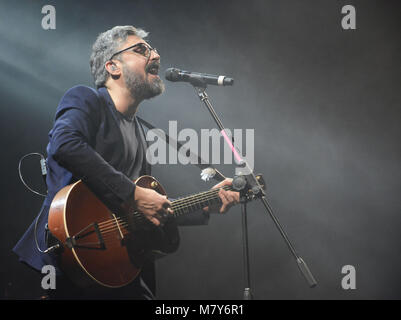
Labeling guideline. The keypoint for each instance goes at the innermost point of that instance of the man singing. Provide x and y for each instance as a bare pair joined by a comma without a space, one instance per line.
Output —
97,138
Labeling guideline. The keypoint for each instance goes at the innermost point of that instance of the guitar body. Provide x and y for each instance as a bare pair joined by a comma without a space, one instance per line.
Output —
98,247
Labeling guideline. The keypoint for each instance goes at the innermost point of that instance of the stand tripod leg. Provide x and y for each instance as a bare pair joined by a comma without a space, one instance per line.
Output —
245,250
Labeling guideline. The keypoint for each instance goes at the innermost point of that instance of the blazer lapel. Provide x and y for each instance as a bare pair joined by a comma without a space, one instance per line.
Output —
144,144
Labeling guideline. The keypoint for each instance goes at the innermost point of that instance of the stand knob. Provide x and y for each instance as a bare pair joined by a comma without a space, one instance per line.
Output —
239,183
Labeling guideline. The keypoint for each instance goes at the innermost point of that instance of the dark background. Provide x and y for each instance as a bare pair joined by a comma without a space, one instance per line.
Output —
325,106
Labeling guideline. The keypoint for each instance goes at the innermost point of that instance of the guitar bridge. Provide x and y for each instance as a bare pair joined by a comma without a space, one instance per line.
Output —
72,242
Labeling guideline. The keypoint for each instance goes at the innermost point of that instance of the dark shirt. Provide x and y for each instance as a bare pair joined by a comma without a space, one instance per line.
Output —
133,148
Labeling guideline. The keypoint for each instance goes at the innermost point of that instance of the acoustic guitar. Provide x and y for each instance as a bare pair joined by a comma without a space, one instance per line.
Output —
105,248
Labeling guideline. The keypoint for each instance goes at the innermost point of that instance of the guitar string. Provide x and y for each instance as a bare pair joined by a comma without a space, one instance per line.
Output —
108,232
111,223
201,194
111,228
107,228
121,223
182,203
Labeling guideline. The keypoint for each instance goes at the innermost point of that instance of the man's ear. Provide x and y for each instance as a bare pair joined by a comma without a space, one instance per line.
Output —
112,68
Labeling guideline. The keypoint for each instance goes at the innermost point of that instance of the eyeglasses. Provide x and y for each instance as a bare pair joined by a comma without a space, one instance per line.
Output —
141,48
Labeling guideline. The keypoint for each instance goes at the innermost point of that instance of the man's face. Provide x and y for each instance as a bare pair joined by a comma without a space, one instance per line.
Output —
140,73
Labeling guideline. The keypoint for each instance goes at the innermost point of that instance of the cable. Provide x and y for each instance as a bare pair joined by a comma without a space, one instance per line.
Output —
43,167
44,172
36,236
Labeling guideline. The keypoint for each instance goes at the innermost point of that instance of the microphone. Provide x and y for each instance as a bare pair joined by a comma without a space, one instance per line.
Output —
195,78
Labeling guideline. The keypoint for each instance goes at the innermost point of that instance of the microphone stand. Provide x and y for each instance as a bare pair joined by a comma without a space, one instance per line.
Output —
245,251
243,183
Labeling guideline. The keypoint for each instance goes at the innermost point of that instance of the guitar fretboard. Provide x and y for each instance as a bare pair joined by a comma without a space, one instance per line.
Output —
197,201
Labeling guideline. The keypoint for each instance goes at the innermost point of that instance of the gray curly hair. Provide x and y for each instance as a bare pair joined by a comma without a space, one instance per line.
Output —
105,45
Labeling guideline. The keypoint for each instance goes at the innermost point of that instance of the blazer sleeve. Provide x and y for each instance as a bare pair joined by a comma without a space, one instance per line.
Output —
71,145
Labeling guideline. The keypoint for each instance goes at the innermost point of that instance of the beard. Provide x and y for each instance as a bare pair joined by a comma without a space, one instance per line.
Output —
140,87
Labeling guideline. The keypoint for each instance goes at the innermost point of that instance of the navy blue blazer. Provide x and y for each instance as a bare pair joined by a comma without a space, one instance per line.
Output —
85,143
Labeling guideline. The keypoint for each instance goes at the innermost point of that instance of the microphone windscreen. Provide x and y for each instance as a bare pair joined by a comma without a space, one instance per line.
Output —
172,74
228,81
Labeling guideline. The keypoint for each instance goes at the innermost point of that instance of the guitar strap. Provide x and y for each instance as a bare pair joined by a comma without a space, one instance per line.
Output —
208,171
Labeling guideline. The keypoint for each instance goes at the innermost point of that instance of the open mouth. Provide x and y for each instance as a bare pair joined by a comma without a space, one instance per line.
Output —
153,69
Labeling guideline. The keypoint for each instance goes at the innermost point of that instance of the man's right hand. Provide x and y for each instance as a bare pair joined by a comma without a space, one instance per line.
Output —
152,204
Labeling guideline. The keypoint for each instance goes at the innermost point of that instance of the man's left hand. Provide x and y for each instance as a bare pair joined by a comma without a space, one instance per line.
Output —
228,198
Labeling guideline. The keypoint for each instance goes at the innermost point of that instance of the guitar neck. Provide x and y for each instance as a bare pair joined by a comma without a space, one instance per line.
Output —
197,201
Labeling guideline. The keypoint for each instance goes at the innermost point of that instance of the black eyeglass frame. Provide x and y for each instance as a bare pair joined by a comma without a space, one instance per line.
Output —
134,46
